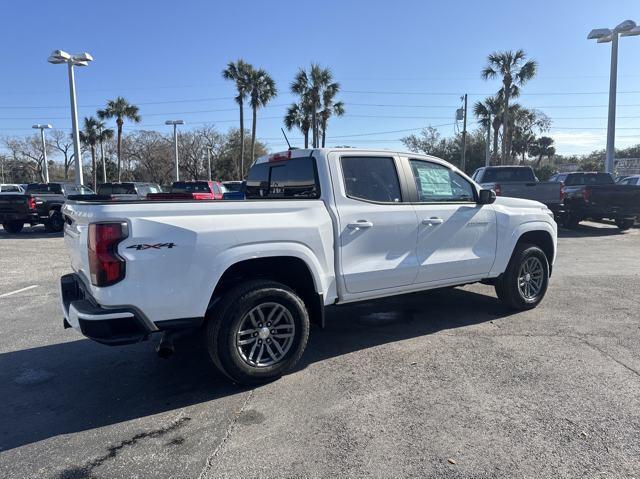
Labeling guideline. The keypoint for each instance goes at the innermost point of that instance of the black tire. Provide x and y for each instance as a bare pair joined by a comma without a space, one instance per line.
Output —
55,223
13,227
507,287
570,221
624,224
229,315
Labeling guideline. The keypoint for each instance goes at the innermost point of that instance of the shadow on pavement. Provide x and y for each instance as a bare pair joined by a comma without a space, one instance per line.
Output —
586,230
33,232
80,385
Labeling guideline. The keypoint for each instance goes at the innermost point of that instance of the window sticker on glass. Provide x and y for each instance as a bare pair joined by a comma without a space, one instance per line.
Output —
434,182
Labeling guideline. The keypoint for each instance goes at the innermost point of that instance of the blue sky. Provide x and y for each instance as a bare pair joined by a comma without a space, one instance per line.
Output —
414,57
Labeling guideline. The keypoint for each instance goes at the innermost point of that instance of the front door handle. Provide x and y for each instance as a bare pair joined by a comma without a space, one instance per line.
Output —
432,221
360,224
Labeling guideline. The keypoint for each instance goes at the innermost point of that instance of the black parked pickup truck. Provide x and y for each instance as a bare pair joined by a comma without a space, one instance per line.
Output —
40,204
591,195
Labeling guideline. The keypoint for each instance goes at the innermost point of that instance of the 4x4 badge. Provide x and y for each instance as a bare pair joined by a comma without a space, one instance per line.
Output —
151,246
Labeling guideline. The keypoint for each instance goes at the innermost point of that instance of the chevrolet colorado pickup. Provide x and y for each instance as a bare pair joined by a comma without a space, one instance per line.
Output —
319,227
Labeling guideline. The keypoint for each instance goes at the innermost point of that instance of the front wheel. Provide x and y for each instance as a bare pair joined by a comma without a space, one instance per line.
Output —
624,224
524,283
258,332
13,227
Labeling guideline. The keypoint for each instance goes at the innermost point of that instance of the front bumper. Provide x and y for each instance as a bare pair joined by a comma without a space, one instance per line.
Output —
111,326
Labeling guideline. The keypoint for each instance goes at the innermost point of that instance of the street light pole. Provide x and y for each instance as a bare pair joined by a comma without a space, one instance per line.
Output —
209,161
45,168
80,60
628,28
464,135
487,154
175,124
611,122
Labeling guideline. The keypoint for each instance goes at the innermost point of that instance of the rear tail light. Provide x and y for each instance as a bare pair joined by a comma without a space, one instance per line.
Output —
562,192
105,265
498,189
32,203
586,194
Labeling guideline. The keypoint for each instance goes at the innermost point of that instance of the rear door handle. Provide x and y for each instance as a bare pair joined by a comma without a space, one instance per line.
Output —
432,221
360,224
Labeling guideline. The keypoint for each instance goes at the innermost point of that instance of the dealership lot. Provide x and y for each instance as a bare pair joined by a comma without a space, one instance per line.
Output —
440,384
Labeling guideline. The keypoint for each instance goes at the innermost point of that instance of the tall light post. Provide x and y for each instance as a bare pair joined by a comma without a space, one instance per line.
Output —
43,127
209,161
627,28
104,164
79,60
175,124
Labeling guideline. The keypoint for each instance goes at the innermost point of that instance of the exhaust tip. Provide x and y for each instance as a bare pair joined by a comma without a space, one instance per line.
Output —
165,348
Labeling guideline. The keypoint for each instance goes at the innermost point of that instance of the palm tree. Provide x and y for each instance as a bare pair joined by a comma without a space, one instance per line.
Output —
311,88
120,109
491,107
238,72
90,135
262,89
543,146
299,116
329,107
515,71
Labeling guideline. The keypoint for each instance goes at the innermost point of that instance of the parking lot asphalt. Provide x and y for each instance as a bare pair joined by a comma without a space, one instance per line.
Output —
445,383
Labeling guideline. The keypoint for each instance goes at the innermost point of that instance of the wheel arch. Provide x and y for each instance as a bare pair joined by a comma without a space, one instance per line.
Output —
291,270
539,233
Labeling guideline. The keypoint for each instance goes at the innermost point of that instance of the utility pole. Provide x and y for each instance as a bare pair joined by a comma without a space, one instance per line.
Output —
487,154
464,136
45,166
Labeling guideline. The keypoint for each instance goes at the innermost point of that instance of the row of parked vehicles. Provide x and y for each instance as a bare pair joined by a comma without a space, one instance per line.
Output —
41,203
573,197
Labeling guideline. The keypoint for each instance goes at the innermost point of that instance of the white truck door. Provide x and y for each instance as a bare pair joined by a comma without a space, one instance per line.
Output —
377,230
457,237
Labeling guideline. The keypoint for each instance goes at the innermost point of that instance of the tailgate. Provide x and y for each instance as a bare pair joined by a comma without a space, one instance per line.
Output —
75,238
12,204
624,198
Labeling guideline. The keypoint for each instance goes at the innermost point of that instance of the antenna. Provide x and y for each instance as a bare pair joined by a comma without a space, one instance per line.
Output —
285,137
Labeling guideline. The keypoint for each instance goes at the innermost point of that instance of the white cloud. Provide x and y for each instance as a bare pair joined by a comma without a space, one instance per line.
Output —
582,142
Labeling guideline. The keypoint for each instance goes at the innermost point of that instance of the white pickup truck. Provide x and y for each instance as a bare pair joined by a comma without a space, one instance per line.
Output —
319,227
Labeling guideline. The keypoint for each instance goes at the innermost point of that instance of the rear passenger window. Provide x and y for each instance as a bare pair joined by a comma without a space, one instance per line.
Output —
289,179
371,179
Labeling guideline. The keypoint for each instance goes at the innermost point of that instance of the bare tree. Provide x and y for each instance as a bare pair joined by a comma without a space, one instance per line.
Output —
63,144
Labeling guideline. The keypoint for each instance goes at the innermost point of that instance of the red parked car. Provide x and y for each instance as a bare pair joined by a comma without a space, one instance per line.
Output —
192,190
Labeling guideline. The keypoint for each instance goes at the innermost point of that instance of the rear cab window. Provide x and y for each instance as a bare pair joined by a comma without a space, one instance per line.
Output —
295,178
190,187
584,179
506,174
43,188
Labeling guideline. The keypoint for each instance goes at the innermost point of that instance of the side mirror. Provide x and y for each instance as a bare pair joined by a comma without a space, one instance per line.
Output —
486,197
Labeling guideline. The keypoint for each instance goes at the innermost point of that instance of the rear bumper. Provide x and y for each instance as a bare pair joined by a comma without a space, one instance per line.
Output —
113,325
26,218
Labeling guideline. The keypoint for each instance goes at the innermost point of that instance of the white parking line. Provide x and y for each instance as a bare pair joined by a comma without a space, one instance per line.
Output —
18,291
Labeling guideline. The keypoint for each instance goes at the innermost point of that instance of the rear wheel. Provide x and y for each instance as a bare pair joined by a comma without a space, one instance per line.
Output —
624,224
524,283
258,332
13,227
55,223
